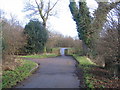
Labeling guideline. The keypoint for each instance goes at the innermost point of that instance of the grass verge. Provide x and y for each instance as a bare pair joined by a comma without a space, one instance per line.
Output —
40,56
85,64
11,78
96,76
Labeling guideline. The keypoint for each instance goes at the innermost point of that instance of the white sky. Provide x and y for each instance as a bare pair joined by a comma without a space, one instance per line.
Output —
62,22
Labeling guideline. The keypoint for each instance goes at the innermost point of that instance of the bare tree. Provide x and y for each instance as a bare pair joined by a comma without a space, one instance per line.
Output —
58,40
40,7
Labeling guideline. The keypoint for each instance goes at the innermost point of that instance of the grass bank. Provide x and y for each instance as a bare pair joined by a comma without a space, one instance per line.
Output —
86,65
11,78
41,55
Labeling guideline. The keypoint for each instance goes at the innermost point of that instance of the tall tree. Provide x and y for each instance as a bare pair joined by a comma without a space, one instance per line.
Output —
93,30
82,18
100,17
108,45
37,36
41,8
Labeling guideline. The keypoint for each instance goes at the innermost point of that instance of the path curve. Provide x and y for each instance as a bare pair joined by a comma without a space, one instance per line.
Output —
58,72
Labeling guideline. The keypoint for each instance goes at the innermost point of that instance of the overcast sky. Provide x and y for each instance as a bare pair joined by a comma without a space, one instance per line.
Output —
62,22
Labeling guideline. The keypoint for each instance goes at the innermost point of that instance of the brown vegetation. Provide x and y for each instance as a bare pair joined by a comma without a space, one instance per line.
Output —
58,40
13,39
103,78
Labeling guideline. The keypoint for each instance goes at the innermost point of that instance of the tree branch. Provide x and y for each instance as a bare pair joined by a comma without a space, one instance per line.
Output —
49,9
54,5
40,9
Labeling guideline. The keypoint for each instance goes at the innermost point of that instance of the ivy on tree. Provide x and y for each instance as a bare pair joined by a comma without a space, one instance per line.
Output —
82,18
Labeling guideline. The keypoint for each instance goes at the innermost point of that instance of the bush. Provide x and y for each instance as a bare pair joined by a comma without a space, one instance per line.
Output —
12,40
36,37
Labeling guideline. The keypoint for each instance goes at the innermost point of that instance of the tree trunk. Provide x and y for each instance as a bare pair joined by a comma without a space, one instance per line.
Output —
85,48
44,24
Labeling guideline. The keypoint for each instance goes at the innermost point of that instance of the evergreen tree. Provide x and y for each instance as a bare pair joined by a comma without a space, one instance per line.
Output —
37,36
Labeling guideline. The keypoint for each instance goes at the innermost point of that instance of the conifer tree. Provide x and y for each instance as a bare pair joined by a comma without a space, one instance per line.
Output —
37,36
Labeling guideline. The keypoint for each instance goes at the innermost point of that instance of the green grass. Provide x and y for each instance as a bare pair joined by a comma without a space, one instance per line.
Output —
56,48
85,64
83,60
40,56
10,78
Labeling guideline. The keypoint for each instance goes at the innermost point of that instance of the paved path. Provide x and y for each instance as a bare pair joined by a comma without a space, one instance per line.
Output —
58,72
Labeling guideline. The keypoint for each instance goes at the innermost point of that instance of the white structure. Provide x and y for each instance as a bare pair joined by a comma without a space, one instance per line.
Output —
62,51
